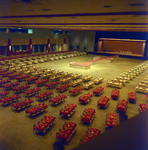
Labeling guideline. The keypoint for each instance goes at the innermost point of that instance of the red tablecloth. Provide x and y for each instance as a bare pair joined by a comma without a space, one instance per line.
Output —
143,107
3,70
67,109
52,84
67,131
41,82
115,94
132,96
22,104
8,86
103,101
88,114
111,120
4,93
85,98
31,80
76,90
98,90
9,100
4,74
37,109
21,88
122,105
44,95
57,99
4,82
63,87
18,74
32,91
44,124
21,78
11,76
92,133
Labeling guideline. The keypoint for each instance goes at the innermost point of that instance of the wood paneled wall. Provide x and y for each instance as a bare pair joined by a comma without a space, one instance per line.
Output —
133,47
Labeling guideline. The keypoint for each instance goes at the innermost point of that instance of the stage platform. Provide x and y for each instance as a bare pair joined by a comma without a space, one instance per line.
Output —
87,65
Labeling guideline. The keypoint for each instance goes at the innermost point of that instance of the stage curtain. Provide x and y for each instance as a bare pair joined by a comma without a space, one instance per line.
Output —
82,40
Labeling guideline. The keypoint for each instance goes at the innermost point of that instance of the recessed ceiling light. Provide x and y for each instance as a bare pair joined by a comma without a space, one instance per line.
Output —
107,6
45,9
30,10
26,1
136,4
113,19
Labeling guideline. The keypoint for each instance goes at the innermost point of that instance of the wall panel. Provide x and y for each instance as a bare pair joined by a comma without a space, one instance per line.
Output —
19,41
3,42
124,47
82,39
38,41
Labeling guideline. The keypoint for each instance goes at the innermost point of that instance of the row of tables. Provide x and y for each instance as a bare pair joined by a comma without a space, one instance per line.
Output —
122,105
43,125
68,110
9,100
20,77
22,104
69,128
125,77
36,109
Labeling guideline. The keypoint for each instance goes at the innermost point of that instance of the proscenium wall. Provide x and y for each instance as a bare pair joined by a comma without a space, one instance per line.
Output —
123,35
82,40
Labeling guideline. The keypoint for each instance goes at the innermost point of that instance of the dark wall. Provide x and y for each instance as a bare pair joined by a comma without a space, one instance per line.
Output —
123,35
82,40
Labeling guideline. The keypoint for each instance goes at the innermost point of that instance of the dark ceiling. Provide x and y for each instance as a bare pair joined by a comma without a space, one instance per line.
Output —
98,15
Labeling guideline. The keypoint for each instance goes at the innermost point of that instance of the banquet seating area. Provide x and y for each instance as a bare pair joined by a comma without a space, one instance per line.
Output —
125,77
29,59
24,85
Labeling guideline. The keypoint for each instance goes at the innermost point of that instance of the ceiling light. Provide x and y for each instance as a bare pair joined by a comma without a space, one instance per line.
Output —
136,4
30,10
107,6
29,1
45,9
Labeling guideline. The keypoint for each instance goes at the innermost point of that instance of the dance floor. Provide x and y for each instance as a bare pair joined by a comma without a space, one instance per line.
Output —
16,128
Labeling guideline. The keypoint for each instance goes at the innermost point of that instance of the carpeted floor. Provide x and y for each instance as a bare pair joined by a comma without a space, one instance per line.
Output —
16,129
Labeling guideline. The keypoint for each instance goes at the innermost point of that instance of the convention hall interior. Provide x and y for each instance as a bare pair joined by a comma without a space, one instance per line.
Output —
73,75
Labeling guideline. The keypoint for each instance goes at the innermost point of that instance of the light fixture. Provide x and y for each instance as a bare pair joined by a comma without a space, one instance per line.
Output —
107,6
136,4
